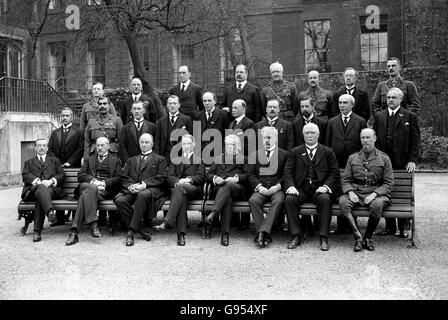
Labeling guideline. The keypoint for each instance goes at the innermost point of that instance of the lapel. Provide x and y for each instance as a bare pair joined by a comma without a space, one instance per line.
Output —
133,131
59,135
92,161
304,155
400,117
46,163
37,162
349,124
146,162
340,125
70,134
318,155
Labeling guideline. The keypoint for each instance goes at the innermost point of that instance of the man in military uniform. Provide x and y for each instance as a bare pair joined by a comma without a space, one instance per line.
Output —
90,109
367,181
411,98
283,91
322,97
105,125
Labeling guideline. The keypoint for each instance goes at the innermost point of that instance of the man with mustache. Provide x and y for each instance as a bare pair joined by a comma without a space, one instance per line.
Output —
308,115
90,109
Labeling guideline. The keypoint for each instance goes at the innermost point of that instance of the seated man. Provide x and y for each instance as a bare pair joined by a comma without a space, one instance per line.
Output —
311,174
266,178
142,179
42,175
367,181
185,178
229,176
99,179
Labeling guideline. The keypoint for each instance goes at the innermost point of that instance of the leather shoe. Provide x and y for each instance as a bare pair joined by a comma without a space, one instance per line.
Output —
57,223
403,234
260,240
295,241
36,236
385,232
129,240
95,232
225,239
163,226
24,229
72,239
267,238
51,216
146,235
358,245
324,246
368,244
181,239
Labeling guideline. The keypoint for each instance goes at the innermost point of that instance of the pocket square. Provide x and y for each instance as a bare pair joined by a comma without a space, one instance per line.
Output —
406,123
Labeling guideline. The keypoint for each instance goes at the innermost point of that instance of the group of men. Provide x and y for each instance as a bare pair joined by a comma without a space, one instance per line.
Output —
280,146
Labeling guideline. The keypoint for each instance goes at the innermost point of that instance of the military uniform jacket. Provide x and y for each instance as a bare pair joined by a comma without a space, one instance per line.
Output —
286,93
411,98
284,129
88,171
90,111
73,147
365,176
110,128
322,99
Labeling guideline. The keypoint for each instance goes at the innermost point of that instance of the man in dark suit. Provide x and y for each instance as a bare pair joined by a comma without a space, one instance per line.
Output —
266,180
142,180
66,144
136,88
174,120
99,179
189,93
246,91
398,136
42,177
343,131
212,118
284,128
311,174
229,177
362,106
132,131
307,115
185,178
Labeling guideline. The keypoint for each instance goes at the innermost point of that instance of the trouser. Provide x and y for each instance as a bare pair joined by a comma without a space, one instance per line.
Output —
177,212
256,202
143,201
43,197
223,203
391,224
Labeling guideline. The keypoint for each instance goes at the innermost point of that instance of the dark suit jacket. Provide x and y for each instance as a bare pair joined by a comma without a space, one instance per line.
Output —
218,121
162,144
298,124
225,170
153,172
126,106
250,94
73,147
406,140
344,143
190,100
362,105
326,168
195,169
88,172
284,129
32,169
240,129
129,145
268,174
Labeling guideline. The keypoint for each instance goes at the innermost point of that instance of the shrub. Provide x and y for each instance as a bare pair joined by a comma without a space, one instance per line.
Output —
434,149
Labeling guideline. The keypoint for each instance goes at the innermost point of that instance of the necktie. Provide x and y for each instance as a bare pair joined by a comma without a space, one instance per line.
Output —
144,156
135,98
239,86
271,123
41,160
101,158
350,91
392,113
183,88
138,124
268,153
345,121
209,115
311,153
172,120
234,125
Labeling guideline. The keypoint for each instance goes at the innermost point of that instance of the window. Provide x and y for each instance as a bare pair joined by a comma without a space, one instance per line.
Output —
145,51
11,58
3,7
182,55
96,63
56,64
55,5
317,45
3,58
374,45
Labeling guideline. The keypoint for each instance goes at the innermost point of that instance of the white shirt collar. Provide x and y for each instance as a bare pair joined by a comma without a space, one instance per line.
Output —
175,115
270,120
185,84
394,111
67,126
311,147
310,118
350,88
347,115
188,156
43,157
147,153
243,83
139,121
239,118
271,149
211,111
136,96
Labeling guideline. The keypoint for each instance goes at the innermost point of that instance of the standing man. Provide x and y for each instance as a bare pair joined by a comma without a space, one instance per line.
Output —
150,113
266,180
399,137
212,117
245,91
343,131
99,179
42,177
308,115
186,177
241,123
142,180
367,181
362,106
90,109
411,98
66,144
284,128
166,125
190,94
311,174
228,174
322,97
133,130
104,125
285,92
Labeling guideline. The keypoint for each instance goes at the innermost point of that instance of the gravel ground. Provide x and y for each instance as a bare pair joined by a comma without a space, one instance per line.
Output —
106,269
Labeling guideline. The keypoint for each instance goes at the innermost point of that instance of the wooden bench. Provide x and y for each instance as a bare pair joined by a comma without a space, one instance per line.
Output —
402,203
26,209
